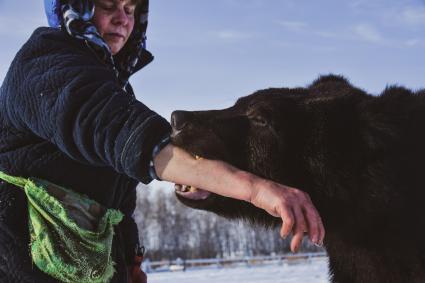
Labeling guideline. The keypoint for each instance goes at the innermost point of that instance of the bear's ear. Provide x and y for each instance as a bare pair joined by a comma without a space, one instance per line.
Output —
330,85
331,78
399,91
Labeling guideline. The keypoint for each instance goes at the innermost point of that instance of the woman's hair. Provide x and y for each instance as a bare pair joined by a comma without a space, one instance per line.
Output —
139,7
137,2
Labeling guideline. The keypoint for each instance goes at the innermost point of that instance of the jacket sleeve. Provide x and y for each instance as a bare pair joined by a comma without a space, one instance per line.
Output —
58,90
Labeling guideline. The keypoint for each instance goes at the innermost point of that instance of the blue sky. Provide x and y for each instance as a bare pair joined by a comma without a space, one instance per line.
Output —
208,53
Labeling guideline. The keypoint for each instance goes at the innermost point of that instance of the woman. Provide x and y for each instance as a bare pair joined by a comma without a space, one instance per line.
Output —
68,115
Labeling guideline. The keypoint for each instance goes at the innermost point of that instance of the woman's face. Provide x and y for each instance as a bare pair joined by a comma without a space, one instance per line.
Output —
114,20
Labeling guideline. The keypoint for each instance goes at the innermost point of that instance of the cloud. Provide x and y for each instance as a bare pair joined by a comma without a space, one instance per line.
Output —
367,33
415,42
357,3
233,35
391,13
359,32
327,34
414,15
293,25
368,4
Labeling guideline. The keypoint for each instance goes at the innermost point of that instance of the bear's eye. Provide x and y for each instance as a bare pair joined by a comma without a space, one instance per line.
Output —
259,121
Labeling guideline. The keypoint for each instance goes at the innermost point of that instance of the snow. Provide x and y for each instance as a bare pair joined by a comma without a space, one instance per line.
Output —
313,270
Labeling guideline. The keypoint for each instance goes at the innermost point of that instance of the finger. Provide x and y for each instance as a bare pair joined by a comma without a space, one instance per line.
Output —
313,224
300,228
322,231
316,227
320,227
287,221
296,241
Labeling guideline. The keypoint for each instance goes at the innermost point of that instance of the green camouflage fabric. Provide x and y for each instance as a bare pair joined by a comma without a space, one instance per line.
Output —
71,235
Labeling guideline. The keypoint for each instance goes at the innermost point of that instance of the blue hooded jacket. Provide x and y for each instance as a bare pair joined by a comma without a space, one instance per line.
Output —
70,117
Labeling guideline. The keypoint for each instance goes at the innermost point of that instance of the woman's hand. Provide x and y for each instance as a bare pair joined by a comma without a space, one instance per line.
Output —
293,206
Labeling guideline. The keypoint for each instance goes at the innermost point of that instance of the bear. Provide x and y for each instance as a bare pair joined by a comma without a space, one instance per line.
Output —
359,156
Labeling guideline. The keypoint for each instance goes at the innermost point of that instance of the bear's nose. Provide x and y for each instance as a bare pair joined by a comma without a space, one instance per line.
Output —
179,119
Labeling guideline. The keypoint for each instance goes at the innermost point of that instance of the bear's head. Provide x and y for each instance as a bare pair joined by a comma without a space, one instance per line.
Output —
270,133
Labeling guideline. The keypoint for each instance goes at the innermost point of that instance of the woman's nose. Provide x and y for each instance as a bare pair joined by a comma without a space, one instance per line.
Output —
120,17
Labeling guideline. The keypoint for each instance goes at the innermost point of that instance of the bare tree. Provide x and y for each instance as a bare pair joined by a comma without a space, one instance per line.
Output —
169,230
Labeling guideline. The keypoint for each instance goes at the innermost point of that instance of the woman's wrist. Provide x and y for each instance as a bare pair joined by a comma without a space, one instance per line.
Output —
161,160
156,150
245,185
174,164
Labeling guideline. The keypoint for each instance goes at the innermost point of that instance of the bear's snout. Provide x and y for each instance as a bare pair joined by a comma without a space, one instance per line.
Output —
179,120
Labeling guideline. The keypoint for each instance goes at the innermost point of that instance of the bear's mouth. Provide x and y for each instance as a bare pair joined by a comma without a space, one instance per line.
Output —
190,192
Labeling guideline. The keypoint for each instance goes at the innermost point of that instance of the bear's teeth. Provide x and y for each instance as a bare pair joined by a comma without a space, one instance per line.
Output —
181,188
192,189
184,188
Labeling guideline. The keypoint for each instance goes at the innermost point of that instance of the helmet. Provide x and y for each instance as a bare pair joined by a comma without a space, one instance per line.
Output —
74,16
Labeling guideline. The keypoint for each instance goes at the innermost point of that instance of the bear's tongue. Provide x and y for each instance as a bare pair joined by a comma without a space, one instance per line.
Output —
190,192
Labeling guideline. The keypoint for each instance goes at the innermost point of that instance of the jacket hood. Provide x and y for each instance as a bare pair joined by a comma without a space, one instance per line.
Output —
74,16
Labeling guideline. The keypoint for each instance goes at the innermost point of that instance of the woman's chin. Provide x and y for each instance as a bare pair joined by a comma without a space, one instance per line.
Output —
115,46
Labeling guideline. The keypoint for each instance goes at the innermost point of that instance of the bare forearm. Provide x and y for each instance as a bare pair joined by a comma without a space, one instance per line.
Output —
175,165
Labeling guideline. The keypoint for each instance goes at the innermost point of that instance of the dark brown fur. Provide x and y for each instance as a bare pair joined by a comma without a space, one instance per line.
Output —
360,157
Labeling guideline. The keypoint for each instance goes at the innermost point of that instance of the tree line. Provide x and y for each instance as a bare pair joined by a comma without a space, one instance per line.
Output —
170,230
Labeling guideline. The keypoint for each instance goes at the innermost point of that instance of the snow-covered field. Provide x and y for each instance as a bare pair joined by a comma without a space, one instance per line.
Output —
309,271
